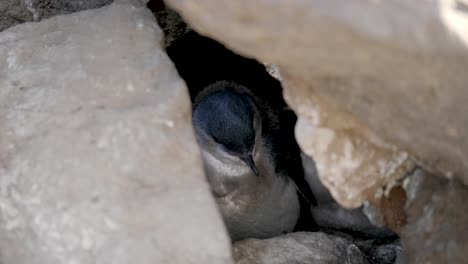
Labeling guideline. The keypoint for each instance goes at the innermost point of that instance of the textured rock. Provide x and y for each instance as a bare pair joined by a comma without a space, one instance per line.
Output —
437,229
295,248
14,12
399,66
329,214
98,162
352,162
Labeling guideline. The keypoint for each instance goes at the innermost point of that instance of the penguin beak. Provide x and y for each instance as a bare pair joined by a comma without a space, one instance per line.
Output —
249,160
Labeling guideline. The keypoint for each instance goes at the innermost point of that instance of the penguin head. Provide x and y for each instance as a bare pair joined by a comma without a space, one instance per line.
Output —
227,125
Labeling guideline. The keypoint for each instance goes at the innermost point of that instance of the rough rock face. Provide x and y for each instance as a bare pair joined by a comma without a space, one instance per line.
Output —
98,162
437,220
14,12
301,247
399,66
352,162
329,214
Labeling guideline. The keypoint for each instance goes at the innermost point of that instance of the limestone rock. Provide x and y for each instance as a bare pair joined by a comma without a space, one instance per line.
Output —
295,248
352,162
399,66
437,229
329,214
98,162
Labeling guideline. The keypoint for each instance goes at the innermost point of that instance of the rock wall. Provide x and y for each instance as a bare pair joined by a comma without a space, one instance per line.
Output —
98,162
352,161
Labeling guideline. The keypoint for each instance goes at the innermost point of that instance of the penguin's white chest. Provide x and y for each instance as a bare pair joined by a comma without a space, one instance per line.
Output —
253,206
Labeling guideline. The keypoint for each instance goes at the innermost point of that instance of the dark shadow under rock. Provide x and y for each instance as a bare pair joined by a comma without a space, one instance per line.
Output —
169,21
13,12
437,229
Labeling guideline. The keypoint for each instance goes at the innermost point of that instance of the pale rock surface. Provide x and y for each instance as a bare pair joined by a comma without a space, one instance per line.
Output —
399,66
352,162
98,161
296,248
329,214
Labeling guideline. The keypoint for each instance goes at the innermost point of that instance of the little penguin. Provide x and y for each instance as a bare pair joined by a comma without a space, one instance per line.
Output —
232,128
